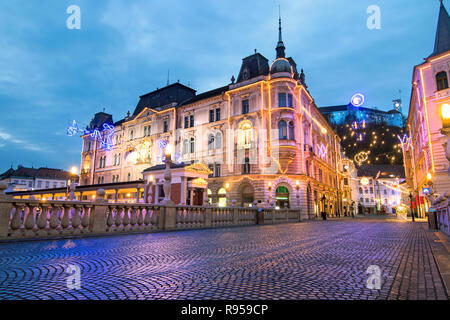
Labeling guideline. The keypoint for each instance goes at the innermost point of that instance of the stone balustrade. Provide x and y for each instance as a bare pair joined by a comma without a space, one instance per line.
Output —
30,219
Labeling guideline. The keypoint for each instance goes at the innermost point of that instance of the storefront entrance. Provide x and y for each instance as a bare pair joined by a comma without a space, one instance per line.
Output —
282,197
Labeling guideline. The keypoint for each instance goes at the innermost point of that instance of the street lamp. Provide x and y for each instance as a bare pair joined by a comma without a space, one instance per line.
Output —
324,213
71,183
297,187
269,187
412,211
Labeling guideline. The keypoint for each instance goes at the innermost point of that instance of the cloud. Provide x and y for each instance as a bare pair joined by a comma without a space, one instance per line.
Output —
24,144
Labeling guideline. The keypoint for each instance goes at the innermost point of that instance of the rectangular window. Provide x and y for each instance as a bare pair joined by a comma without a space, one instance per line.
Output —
211,115
217,171
346,181
282,100
39,184
371,190
246,166
47,184
145,131
290,101
191,118
218,114
211,167
186,122
166,126
245,106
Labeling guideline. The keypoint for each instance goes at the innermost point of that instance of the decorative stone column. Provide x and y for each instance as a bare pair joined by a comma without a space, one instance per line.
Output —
5,210
167,181
97,223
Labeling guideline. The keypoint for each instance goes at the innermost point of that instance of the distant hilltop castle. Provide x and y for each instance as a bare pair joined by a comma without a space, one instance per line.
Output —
345,114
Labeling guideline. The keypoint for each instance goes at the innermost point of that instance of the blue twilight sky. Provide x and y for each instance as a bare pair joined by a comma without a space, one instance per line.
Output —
50,75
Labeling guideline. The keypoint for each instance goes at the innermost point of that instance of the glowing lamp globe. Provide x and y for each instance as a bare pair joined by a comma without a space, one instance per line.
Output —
168,150
364,181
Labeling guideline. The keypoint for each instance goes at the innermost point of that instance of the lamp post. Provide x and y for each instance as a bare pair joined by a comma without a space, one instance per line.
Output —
269,187
353,209
297,187
324,213
412,211
168,177
72,184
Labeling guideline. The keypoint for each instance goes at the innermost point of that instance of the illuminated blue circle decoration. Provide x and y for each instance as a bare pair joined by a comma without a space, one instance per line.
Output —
357,100
162,144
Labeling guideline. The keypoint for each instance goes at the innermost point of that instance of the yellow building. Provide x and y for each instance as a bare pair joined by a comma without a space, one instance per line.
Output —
262,137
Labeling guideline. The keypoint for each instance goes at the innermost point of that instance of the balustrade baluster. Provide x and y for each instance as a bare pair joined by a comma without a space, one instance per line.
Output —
76,220
42,219
118,220
126,217
85,219
16,221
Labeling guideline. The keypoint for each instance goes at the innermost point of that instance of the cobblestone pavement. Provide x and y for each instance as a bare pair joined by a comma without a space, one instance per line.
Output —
309,260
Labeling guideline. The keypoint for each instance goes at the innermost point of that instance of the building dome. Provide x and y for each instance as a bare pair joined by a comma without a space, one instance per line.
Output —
280,65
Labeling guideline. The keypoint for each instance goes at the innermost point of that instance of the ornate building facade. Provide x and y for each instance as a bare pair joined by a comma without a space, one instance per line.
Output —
424,153
262,138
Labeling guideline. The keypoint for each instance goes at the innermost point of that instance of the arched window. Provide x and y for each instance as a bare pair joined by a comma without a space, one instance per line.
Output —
129,177
218,140
246,134
291,131
192,145
282,130
222,197
131,135
211,142
441,80
185,146
282,197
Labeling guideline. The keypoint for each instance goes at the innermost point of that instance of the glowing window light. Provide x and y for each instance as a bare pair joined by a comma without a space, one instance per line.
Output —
445,112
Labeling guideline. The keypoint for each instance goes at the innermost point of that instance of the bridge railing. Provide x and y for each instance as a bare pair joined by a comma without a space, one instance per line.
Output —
28,219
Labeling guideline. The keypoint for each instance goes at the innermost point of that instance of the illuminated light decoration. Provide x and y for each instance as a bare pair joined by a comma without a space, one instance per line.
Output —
162,144
364,181
357,100
322,151
361,157
73,129
361,137
405,141
106,138
426,117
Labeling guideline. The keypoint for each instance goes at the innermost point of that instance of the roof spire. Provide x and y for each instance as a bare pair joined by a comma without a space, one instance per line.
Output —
442,42
280,45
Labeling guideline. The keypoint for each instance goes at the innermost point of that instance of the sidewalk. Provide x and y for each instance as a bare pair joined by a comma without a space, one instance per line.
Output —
440,245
